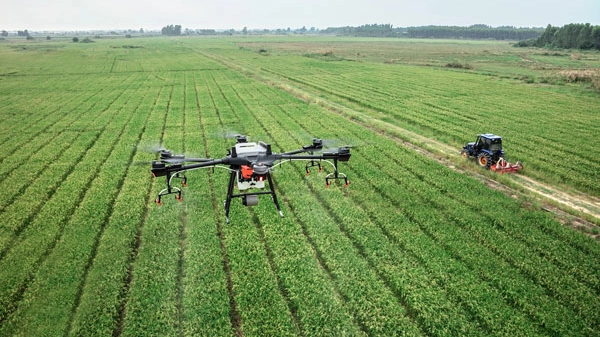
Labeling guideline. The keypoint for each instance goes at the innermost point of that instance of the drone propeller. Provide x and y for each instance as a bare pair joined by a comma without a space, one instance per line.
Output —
228,134
167,156
153,147
338,143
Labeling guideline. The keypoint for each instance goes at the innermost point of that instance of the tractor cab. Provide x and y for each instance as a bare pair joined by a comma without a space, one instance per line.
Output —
487,148
489,142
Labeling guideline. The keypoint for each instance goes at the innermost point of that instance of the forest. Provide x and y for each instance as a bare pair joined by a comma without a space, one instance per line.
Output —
571,36
479,31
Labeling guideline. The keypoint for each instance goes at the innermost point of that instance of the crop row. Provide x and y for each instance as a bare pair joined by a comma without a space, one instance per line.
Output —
36,245
104,289
382,321
410,247
152,298
440,114
350,221
590,314
42,152
256,288
68,262
27,190
314,312
427,101
47,112
206,300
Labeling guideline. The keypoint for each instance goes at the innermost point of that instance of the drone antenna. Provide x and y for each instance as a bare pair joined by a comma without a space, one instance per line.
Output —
266,146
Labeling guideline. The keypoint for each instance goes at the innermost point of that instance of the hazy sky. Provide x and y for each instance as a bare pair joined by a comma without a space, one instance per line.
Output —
257,14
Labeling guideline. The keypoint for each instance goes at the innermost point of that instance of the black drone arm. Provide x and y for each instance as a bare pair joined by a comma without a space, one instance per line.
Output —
341,154
174,164
160,168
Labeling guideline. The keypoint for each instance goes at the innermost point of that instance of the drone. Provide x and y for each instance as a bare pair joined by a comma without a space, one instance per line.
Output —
250,165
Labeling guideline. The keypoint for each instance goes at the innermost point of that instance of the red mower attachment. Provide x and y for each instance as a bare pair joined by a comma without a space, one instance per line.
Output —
502,166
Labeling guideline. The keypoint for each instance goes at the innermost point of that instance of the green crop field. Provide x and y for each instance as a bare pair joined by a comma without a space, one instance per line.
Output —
412,247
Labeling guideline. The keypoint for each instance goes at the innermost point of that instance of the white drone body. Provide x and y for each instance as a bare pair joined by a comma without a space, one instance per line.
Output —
251,176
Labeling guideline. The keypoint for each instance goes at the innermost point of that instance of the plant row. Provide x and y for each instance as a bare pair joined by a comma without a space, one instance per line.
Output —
590,314
58,235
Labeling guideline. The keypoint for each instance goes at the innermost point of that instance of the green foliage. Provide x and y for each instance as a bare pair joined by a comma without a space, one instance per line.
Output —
571,36
459,65
171,30
411,247
438,32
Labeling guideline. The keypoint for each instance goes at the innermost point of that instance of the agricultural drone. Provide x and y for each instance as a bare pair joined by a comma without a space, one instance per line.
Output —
249,165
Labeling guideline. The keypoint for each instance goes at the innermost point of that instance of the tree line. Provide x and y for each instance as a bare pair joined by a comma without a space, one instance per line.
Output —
571,36
476,32
171,30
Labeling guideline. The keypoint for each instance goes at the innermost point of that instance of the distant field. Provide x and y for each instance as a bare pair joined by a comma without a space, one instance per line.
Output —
410,247
518,93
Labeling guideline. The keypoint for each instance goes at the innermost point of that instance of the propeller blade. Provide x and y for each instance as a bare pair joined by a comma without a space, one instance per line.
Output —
153,147
230,134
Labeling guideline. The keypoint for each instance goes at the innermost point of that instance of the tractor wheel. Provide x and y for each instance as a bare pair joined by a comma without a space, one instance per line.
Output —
464,154
484,160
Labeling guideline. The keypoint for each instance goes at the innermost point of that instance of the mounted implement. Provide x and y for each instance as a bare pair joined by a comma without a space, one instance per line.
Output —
487,150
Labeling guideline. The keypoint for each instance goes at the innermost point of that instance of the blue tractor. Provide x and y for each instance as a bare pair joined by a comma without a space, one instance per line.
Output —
487,149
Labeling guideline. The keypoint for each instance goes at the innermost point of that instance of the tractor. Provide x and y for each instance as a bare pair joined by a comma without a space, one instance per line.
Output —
488,151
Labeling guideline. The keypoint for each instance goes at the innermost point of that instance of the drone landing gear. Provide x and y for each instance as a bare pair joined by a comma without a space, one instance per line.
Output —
312,163
251,198
172,190
336,175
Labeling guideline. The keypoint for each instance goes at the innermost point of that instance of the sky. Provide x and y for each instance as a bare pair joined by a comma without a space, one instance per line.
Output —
70,15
